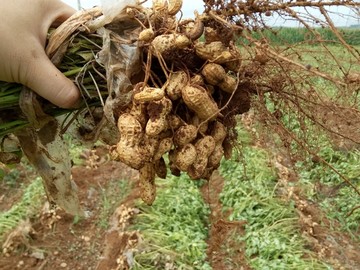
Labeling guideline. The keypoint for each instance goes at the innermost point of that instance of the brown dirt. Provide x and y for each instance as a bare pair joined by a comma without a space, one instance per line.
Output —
58,241
221,231
323,237
11,192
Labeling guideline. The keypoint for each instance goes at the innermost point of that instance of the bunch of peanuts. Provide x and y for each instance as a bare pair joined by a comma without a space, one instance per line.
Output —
181,117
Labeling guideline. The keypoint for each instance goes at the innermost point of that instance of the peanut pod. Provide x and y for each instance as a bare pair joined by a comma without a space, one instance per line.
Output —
235,64
215,74
158,111
131,134
169,42
174,121
185,134
194,30
215,157
138,110
146,35
185,157
211,35
147,183
219,134
204,148
197,80
174,6
148,147
198,100
149,94
159,5
176,82
164,147
201,125
214,52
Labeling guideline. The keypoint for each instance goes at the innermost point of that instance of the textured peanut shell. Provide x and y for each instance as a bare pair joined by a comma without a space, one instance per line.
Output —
174,121
176,82
164,147
229,84
159,5
158,122
194,30
185,157
197,80
185,134
174,170
167,42
213,73
204,148
146,35
215,52
198,100
174,6
130,130
149,94
211,35
155,127
235,64
131,134
131,156
147,183
215,157
201,125
148,147
219,132
138,110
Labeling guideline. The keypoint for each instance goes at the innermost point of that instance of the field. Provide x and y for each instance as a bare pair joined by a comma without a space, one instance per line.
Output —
263,209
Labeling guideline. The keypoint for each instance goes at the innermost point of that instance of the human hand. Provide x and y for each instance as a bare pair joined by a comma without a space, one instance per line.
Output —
23,30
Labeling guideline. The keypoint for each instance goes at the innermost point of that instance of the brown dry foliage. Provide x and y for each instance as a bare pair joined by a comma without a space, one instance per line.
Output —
277,81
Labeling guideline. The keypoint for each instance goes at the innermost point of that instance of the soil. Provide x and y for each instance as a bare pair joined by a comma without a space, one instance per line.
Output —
221,230
323,237
55,240
60,241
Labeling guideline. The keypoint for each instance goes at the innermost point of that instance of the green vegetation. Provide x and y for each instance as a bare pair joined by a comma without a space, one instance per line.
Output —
335,197
174,227
298,35
10,178
111,197
28,206
272,237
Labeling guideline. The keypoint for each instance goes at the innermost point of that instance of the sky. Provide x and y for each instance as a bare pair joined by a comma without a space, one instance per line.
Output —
190,5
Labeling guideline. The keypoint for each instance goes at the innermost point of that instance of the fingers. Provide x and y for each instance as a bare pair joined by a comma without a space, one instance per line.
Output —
63,13
45,79
23,59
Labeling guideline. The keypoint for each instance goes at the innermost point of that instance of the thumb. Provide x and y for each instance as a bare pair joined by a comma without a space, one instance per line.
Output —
46,80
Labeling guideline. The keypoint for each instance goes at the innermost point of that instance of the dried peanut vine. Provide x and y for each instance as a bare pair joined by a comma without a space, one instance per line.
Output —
198,74
197,80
